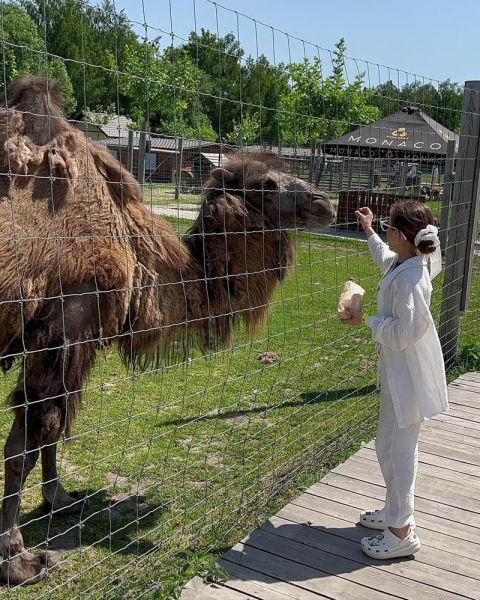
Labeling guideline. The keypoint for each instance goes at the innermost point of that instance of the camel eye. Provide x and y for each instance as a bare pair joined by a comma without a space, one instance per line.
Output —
269,185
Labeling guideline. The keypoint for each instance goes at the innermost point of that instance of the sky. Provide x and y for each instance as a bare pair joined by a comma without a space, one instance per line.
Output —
431,39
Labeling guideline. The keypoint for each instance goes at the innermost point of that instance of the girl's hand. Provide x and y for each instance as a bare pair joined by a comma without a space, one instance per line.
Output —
355,317
365,216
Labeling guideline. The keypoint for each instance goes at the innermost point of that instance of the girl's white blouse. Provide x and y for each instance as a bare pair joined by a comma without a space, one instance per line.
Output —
407,336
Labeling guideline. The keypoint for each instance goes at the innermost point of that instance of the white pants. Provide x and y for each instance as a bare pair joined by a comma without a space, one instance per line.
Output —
397,453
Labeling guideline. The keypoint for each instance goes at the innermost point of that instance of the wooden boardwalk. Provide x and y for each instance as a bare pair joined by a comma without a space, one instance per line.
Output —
310,549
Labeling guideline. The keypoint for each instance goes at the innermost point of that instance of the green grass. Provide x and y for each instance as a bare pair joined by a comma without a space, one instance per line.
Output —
163,194
206,450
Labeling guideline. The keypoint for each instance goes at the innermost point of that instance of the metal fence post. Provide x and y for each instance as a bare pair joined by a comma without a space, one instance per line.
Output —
462,224
141,153
130,151
178,174
311,166
447,194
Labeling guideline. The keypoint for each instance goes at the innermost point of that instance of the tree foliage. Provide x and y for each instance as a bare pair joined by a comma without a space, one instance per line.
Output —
24,51
206,88
442,102
322,108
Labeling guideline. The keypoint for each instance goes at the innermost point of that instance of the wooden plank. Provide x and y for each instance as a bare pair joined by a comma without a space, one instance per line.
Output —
466,385
435,440
462,391
315,580
460,413
319,532
340,498
430,440
451,508
468,406
341,526
344,568
469,459
262,586
429,488
448,463
449,418
468,482
459,430
446,434
470,376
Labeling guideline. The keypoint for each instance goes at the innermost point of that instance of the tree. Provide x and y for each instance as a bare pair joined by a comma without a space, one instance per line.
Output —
24,51
162,88
87,36
247,131
442,102
321,108
263,86
219,92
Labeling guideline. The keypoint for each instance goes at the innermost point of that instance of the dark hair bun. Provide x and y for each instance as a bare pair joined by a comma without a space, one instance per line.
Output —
426,247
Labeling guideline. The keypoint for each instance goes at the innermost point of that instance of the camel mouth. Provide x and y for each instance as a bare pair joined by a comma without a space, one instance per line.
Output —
316,222
320,214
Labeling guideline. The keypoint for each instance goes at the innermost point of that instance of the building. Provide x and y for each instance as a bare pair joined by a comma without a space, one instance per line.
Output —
161,158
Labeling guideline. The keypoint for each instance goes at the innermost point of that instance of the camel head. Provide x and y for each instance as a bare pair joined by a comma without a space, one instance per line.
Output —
240,242
271,197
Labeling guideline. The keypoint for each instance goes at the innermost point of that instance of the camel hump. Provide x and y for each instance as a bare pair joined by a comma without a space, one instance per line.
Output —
121,183
39,101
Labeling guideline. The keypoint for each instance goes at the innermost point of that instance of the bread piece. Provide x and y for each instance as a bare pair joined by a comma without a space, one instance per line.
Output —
350,297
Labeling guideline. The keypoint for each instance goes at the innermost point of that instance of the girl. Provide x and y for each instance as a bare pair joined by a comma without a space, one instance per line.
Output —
413,384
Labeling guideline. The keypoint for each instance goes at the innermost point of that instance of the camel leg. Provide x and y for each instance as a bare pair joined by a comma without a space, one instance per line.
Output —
18,565
54,494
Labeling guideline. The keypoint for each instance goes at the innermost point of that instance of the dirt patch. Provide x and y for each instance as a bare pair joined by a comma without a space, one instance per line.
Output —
124,501
213,459
238,419
267,358
70,469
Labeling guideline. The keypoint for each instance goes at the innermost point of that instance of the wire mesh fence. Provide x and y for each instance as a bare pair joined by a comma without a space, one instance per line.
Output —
164,267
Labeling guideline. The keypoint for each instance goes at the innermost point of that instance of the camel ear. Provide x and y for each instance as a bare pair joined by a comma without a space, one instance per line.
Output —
222,176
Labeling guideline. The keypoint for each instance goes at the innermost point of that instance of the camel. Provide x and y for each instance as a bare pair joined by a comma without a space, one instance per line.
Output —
85,264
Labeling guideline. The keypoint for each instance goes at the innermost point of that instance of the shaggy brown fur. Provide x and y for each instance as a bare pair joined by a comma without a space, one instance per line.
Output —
85,263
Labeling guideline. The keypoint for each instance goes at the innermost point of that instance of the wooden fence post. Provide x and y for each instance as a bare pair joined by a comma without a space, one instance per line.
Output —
403,179
447,194
340,175
142,148
350,172
371,172
130,151
178,173
462,224
311,167
320,168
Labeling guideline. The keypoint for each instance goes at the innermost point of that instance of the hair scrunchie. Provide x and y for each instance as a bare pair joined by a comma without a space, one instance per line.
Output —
429,234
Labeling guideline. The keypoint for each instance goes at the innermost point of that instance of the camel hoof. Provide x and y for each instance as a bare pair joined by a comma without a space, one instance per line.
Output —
72,504
25,568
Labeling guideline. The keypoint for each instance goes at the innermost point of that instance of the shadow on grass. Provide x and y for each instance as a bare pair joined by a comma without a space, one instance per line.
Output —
304,398
116,526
